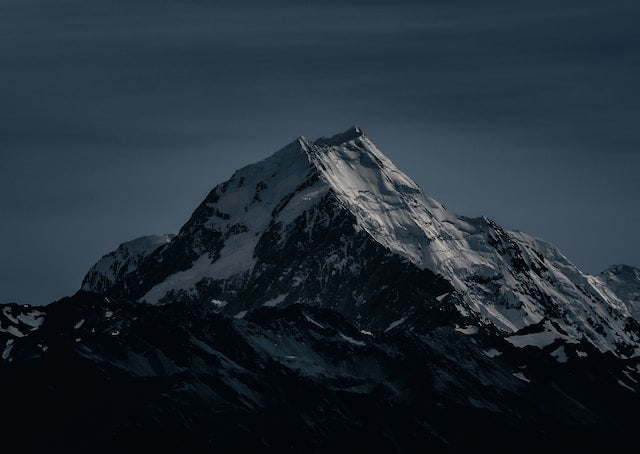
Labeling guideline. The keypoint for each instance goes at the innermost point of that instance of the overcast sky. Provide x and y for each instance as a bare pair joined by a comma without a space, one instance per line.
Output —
118,116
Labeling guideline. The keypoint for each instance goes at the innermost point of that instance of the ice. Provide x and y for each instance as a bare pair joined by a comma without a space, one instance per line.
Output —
219,303
108,314
79,324
366,333
240,314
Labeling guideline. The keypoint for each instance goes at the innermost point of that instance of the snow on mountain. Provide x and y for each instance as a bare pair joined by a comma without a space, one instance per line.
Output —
19,320
123,260
620,283
241,210
248,240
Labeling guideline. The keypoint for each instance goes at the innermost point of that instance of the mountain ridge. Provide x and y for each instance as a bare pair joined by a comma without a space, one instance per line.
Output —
505,278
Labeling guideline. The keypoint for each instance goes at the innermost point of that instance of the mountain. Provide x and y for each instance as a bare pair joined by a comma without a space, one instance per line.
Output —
115,265
318,300
333,222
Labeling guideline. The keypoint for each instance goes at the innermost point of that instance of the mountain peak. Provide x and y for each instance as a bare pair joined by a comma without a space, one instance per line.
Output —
353,133
305,215
622,269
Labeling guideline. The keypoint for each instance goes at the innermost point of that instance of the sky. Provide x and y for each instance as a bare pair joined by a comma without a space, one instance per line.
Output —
118,116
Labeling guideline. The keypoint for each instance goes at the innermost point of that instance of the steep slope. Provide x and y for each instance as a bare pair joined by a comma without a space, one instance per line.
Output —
620,283
334,223
124,260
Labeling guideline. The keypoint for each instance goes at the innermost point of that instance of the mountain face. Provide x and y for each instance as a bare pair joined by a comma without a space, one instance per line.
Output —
114,266
334,223
319,300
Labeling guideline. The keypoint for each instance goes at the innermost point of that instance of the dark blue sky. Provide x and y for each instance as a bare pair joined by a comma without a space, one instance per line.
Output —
117,117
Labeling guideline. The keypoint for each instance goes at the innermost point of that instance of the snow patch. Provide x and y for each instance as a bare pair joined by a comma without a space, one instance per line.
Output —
275,301
539,340
351,340
492,353
624,385
628,375
7,313
34,319
441,297
559,354
7,349
468,330
14,331
395,324
521,376
309,319
219,303
240,315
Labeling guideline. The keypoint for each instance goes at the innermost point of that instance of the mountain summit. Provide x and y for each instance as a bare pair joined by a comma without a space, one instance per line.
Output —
319,301
304,226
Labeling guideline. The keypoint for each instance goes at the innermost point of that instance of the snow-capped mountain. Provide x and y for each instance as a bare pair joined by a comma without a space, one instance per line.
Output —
314,223
319,301
115,265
